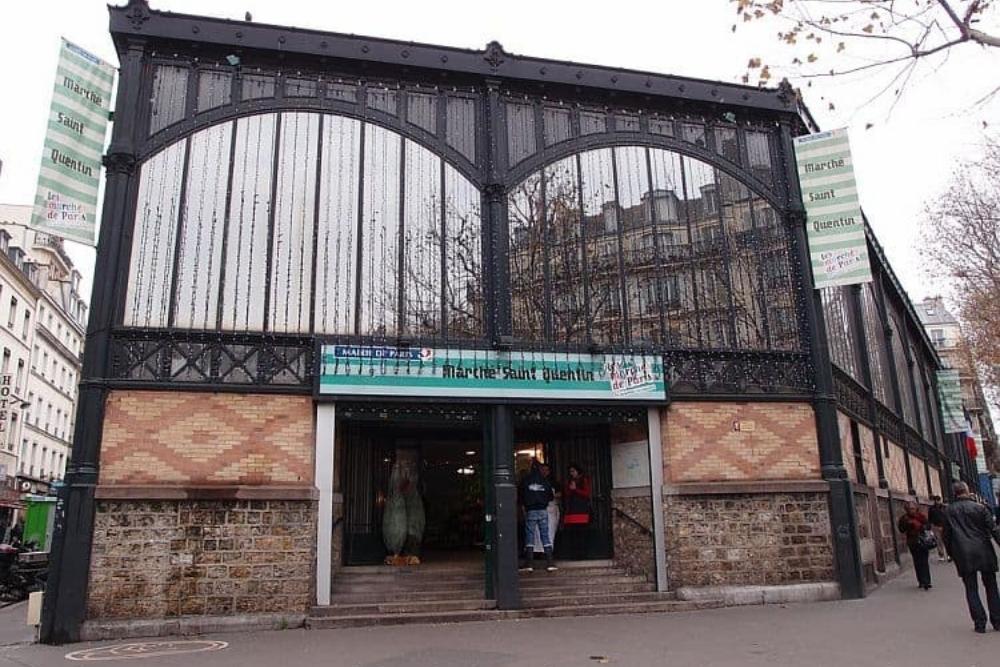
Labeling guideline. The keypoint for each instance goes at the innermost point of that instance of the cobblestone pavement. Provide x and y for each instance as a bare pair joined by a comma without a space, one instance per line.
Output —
897,625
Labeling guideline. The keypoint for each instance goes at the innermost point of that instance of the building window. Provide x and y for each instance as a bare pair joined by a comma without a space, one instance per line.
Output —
34,358
937,337
12,314
6,361
45,362
19,383
26,325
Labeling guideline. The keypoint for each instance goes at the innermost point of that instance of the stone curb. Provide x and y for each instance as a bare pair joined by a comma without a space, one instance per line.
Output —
188,625
750,595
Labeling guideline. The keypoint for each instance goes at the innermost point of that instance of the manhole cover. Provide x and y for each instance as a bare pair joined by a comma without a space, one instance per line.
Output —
138,650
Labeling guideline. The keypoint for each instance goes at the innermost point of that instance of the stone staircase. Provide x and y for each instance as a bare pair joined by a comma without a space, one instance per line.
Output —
379,595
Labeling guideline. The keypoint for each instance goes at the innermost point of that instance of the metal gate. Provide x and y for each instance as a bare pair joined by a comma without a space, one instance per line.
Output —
587,446
367,464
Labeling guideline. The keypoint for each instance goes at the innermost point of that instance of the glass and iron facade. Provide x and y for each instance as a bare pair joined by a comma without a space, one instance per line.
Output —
272,189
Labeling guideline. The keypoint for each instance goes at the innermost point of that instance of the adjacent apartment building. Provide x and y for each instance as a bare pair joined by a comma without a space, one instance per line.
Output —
946,334
42,317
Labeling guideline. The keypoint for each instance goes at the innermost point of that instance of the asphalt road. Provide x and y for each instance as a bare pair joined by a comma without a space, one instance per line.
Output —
897,625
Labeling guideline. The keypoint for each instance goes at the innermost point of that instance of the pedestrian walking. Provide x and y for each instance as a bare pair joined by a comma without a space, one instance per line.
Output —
914,525
938,517
968,536
536,494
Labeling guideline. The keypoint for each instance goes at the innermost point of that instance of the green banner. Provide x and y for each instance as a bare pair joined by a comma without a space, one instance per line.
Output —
950,395
836,230
66,198
352,370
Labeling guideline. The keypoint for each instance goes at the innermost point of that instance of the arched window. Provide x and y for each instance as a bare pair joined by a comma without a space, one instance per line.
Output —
634,245
303,222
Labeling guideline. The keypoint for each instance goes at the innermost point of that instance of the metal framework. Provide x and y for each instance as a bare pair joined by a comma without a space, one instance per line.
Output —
682,194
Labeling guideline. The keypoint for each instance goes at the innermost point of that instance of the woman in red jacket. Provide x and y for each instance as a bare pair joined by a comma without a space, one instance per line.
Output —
576,496
912,524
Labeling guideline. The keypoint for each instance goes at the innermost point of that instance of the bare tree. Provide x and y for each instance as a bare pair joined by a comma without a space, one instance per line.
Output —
962,243
831,38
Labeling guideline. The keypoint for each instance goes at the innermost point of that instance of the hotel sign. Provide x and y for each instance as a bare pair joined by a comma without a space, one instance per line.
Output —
837,245
358,370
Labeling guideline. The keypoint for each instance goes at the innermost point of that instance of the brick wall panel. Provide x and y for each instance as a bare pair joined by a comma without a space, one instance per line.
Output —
895,465
701,445
198,438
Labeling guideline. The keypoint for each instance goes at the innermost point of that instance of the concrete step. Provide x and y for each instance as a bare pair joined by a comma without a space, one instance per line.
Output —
410,607
411,569
536,580
408,579
620,608
374,597
346,621
538,601
562,588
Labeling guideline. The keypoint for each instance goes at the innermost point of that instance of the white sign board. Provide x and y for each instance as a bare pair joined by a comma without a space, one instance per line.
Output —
630,464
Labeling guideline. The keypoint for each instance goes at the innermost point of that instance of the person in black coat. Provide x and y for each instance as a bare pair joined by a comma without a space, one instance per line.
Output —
967,537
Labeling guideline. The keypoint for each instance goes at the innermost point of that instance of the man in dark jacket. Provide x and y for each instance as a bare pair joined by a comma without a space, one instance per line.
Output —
967,536
536,492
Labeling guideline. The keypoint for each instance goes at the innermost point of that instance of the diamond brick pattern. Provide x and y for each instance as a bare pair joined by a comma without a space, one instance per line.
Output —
199,438
702,445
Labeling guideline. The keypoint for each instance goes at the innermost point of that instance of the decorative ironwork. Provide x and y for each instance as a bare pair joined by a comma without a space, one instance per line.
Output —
221,360
494,54
726,372
410,412
609,414
852,397
137,13
889,423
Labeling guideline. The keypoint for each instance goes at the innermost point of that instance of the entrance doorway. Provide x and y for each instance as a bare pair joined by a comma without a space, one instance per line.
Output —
434,500
587,447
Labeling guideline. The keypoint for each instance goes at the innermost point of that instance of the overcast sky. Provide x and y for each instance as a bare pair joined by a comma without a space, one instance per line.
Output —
904,159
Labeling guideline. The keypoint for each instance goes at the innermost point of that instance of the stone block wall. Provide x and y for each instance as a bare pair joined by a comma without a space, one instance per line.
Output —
748,539
775,441
634,548
866,535
887,528
162,559
178,438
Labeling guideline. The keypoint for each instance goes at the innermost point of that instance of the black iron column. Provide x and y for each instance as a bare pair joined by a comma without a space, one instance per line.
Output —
856,305
843,519
66,590
506,586
500,419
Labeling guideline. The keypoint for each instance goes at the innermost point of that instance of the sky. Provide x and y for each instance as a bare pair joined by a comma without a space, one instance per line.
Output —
903,160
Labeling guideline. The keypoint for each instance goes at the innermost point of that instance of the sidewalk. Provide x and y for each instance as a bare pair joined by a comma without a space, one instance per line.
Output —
897,625
13,629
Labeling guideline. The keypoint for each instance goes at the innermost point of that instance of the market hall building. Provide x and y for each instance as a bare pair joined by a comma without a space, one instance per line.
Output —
349,288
